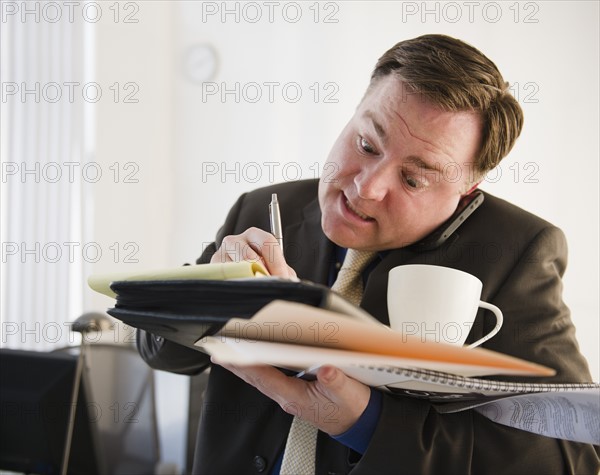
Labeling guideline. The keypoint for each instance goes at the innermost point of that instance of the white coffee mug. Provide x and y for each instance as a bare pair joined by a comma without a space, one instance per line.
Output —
436,303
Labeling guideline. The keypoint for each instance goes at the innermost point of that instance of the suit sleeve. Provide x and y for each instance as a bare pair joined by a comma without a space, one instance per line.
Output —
411,437
166,355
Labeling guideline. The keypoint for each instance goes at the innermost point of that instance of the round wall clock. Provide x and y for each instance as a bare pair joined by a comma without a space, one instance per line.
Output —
201,63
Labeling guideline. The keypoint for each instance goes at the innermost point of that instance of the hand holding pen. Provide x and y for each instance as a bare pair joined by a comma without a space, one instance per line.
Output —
258,245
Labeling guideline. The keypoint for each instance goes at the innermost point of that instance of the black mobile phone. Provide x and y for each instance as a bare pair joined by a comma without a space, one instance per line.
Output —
465,208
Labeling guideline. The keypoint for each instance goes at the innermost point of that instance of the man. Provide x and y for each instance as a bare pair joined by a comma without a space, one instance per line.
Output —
436,117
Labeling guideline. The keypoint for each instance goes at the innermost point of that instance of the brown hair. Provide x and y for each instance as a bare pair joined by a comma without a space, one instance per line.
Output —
457,77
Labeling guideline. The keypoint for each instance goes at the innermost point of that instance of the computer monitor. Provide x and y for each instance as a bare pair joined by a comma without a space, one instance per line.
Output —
35,398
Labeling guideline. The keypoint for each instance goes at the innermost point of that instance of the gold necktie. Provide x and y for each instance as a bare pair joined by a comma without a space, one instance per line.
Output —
349,280
300,448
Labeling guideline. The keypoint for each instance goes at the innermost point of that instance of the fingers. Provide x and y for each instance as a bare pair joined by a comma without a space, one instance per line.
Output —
333,403
268,380
255,245
240,247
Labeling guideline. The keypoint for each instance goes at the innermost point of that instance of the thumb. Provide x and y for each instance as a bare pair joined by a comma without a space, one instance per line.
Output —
331,381
348,395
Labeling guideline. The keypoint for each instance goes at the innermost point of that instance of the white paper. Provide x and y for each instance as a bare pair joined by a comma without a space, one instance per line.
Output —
300,357
574,416
317,329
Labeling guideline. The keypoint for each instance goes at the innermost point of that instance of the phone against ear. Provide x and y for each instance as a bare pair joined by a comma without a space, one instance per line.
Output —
466,206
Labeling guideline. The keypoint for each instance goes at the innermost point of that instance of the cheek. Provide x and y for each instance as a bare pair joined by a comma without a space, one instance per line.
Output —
343,161
421,217
343,149
436,213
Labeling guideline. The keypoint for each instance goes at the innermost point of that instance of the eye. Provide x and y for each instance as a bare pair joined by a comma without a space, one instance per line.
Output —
366,146
415,182
412,182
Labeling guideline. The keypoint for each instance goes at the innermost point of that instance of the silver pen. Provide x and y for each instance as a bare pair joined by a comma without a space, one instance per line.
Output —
275,218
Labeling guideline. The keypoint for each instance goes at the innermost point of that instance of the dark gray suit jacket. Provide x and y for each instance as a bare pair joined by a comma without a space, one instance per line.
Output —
520,259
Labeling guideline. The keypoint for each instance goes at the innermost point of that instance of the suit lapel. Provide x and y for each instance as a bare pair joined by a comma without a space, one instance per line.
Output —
307,249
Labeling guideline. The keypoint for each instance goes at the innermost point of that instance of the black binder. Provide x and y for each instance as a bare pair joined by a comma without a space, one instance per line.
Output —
186,310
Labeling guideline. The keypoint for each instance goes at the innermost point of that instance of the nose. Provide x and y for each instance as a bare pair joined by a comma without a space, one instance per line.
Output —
373,182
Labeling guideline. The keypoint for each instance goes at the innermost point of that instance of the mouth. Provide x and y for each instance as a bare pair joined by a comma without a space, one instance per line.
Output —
355,211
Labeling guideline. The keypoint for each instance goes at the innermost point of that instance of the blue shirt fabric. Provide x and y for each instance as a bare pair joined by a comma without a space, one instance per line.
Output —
359,435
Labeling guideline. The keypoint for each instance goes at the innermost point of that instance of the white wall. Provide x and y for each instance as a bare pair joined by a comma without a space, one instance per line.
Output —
176,136
132,208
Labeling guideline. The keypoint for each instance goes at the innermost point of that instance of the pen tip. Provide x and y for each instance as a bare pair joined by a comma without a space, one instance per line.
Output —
274,196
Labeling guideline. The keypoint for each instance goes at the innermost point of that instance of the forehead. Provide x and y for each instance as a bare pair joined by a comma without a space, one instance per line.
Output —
397,112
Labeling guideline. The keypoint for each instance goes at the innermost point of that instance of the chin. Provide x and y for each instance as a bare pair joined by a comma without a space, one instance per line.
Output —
344,237
333,234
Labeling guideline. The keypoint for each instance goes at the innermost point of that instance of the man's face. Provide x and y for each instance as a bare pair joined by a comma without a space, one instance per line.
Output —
397,170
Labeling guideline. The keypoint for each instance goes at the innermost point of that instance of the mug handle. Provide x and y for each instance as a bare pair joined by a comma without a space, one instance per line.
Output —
496,329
